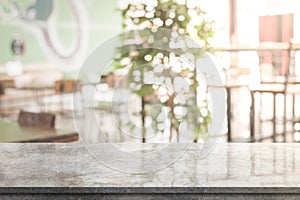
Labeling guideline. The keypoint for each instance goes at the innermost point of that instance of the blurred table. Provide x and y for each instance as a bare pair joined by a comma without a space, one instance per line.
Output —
13,132
228,87
7,81
39,90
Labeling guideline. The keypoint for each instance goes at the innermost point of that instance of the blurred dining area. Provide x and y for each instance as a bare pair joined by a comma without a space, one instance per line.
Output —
44,45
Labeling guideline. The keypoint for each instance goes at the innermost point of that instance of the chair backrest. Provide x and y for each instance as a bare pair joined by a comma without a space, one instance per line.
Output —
290,66
280,63
274,62
67,86
42,120
2,88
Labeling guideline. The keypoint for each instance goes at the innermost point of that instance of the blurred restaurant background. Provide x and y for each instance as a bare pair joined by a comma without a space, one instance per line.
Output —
44,43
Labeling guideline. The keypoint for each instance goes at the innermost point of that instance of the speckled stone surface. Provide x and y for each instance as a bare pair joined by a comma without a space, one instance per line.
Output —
256,169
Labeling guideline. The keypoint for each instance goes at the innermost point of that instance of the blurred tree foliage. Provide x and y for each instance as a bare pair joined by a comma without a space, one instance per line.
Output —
161,76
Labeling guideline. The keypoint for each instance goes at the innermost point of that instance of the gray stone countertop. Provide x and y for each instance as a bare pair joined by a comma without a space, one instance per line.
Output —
227,166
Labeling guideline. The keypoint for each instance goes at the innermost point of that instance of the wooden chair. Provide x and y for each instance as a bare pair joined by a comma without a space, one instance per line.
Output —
2,88
63,88
5,111
67,86
43,120
275,88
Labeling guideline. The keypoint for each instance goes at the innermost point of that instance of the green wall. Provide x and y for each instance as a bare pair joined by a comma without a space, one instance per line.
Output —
30,19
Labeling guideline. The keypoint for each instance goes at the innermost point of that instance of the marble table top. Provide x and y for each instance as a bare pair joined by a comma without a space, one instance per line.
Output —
72,165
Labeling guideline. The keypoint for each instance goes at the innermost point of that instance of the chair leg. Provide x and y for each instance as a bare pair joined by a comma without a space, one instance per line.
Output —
259,114
274,118
284,115
252,118
229,138
293,106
